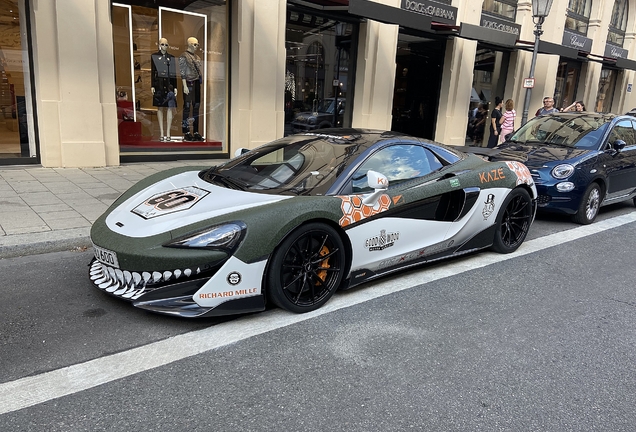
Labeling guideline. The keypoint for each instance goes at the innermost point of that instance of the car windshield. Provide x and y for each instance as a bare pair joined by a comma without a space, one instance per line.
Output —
327,105
295,165
568,131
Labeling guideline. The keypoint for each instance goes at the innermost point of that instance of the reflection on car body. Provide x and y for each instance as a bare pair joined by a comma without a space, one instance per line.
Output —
322,117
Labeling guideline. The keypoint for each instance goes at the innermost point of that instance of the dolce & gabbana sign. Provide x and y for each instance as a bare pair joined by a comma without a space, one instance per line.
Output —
576,41
493,23
437,11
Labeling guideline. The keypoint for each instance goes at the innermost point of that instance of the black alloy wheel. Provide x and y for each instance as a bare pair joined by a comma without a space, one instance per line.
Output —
513,221
307,268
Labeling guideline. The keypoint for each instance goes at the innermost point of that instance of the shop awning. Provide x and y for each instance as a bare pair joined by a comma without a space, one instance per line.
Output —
389,15
560,50
626,64
490,36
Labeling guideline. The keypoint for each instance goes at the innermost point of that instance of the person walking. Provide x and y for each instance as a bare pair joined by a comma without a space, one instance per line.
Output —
479,124
496,118
509,117
548,107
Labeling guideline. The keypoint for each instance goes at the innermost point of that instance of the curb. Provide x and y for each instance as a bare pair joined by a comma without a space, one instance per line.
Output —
43,242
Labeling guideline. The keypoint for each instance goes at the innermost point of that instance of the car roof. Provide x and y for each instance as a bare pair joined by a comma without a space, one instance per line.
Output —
608,116
367,138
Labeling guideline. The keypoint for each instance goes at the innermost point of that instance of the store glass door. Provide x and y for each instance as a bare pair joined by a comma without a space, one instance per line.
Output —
17,133
417,85
489,82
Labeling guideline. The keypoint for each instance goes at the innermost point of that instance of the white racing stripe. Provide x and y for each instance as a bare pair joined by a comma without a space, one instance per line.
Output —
33,390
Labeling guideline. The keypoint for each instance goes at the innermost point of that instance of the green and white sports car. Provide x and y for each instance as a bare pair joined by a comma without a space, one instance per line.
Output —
296,219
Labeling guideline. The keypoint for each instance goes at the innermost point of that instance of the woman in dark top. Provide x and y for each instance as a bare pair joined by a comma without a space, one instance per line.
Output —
496,118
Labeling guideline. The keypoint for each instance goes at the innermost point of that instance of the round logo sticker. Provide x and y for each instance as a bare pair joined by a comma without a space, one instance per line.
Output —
234,278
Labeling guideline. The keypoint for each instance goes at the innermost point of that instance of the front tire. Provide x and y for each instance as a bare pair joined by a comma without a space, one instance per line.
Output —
306,268
513,221
589,206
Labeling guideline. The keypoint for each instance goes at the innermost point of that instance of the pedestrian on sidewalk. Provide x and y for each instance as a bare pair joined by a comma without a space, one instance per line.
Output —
577,106
548,107
496,118
508,125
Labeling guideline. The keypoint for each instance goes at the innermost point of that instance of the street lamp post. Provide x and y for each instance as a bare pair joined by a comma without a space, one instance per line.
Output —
540,10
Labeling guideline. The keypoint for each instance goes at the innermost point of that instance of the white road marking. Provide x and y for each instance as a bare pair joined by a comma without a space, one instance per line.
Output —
33,390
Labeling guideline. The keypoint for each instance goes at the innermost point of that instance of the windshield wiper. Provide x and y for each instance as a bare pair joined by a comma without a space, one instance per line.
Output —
228,181
558,144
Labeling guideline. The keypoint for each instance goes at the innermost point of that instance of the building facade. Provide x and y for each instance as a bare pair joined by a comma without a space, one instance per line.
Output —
97,83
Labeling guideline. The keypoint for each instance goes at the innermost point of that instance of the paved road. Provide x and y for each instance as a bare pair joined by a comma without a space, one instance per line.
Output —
544,339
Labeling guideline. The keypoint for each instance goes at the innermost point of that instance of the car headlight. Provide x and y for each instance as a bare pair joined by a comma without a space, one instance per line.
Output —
226,236
562,171
311,120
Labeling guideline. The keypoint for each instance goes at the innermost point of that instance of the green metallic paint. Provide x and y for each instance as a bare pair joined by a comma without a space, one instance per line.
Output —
268,224
148,254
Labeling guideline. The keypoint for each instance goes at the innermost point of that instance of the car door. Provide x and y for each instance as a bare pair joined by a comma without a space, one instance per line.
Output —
620,166
406,229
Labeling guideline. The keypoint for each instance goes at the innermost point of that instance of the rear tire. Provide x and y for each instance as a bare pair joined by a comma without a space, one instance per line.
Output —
306,268
513,221
589,206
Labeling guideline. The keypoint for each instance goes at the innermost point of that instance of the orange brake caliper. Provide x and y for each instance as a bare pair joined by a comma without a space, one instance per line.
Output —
322,274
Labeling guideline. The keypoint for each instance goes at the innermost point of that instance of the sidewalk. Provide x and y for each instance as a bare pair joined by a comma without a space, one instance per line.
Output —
52,209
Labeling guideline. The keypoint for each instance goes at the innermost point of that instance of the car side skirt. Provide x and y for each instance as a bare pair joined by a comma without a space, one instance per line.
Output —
481,240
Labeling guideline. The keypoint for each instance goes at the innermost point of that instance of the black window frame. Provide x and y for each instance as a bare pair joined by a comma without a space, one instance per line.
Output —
513,3
570,13
613,29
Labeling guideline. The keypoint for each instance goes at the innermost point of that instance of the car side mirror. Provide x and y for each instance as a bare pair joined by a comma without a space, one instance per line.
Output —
379,183
507,136
619,145
240,151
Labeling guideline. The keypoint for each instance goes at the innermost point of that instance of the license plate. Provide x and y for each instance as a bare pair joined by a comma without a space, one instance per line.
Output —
106,256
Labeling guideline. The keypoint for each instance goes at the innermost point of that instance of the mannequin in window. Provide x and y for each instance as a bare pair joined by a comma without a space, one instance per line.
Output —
191,69
164,81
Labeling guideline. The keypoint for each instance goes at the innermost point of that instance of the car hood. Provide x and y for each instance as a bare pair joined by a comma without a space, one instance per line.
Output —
534,156
177,201
309,114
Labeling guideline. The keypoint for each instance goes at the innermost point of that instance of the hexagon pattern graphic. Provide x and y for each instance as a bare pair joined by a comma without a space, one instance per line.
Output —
353,210
522,172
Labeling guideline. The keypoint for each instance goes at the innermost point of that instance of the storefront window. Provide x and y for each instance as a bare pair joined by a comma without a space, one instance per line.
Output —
318,72
170,76
16,107
618,23
504,8
578,16
606,86
566,82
